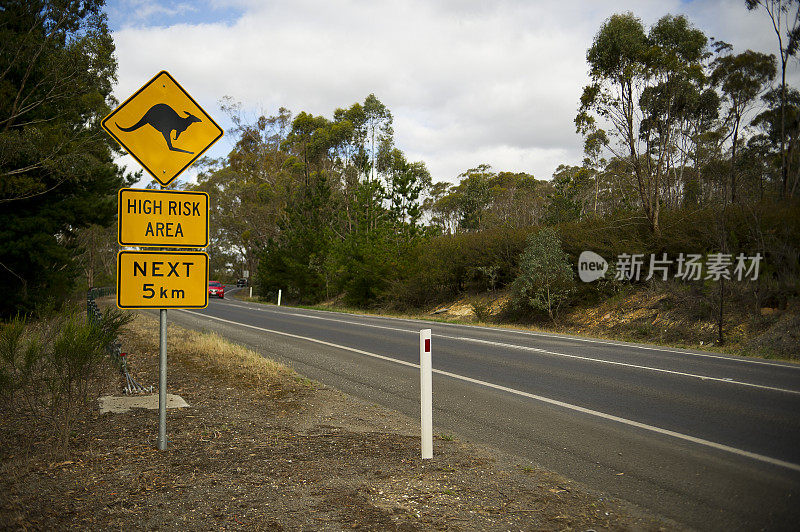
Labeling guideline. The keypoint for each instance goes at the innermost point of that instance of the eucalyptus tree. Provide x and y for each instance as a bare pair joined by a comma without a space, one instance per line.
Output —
593,148
378,132
365,133
484,199
698,145
741,78
309,139
785,18
257,154
781,119
378,129
474,197
441,206
248,188
639,83
676,60
406,182
518,200
570,194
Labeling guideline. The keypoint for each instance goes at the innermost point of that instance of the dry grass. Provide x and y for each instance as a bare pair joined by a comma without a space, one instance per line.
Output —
211,354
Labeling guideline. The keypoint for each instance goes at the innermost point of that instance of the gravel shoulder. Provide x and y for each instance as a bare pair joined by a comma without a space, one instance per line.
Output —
279,453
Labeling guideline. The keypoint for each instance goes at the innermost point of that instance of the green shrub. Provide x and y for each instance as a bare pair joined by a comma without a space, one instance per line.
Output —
445,266
481,311
546,279
51,369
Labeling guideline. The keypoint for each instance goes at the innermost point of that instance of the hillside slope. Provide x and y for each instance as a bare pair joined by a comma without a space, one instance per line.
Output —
657,314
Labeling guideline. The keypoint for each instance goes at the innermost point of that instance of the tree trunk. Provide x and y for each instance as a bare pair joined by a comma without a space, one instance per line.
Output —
784,168
733,159
721,338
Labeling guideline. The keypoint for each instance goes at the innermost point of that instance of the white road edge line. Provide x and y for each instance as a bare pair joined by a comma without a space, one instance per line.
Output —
726,380
603,415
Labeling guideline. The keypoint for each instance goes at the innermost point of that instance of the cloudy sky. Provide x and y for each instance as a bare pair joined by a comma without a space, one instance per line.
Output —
468,81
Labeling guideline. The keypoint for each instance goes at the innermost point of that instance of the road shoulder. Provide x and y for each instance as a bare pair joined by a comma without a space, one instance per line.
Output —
284,452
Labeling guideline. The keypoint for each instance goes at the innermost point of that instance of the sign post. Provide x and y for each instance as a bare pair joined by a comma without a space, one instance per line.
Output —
162,380
165,130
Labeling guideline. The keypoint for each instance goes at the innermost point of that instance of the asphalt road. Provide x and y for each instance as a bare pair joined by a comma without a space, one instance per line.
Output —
711,441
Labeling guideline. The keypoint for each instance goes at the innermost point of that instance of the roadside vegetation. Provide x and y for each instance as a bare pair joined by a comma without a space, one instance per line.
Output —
53,369
691,149
209,354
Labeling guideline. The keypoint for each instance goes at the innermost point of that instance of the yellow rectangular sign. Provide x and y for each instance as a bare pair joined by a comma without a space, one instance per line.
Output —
162,279
162,218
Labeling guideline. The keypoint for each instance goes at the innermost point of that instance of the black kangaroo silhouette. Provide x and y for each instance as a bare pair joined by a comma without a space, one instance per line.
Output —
165,120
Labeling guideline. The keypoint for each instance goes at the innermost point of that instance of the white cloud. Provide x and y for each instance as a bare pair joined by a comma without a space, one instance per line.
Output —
467,82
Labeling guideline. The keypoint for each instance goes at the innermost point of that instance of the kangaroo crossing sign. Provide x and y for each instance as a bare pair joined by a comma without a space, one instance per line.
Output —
162,127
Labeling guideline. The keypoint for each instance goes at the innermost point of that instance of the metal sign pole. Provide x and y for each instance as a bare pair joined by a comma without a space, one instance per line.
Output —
162,376
162,383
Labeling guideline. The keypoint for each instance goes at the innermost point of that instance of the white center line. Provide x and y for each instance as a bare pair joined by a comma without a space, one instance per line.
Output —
555,402
732,359
726,380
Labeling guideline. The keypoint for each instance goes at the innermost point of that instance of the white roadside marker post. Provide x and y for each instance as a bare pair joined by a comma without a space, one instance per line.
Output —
251,292
426,393
279,297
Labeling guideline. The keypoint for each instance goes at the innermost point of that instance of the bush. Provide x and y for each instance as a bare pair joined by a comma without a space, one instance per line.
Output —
481,311
444,266
49,370
546,279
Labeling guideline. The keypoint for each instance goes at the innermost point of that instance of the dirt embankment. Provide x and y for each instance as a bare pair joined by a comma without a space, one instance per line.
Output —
673,316
262,448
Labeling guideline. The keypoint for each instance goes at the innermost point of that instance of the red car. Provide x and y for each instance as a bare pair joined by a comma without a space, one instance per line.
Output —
215,288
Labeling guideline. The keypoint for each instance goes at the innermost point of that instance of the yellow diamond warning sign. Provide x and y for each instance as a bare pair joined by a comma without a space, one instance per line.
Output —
162,218
162,127
162,279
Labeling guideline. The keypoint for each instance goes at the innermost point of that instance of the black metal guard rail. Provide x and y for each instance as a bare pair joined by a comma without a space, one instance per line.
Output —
114,349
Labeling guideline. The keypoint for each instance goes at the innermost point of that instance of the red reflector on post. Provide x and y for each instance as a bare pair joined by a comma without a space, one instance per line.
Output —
427,345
